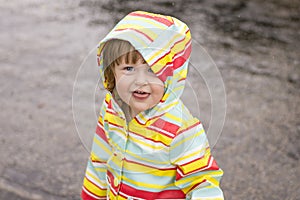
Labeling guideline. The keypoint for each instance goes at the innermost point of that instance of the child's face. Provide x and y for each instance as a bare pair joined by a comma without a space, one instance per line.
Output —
138,86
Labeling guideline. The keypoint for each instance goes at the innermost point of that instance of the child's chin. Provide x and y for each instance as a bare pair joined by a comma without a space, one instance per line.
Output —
140,109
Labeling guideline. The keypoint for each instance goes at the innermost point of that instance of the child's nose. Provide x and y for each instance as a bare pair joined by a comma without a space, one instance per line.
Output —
141,78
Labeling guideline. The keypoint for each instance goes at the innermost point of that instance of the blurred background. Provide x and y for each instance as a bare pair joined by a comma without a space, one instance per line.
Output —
255,45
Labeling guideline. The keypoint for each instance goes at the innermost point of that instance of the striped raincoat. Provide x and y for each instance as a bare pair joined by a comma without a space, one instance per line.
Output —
163,152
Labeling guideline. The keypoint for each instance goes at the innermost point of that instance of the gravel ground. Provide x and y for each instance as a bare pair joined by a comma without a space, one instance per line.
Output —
254,44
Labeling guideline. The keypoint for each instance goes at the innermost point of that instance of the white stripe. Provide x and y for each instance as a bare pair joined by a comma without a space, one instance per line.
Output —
157,165
99,165
160,146
130,196
90,194
161,130
113,191
174,36
202,169
100,126
101,184
199,155
136,34
174,59
197,129
111,110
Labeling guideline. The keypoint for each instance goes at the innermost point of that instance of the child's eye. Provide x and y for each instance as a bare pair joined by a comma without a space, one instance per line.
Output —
128,68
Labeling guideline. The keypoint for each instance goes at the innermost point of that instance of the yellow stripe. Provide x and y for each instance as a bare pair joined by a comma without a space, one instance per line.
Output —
181,74
169,57
102,146
178,88
173,117
96,178
137,168
175,49
151,134
145,159
169,18
99,49
196,164
153,147
115,119
160,109
198,152
146,20
118,131
140,28
92,188
188,138
188,125
131,35
142,117
191,181
166,58
101,169
146,185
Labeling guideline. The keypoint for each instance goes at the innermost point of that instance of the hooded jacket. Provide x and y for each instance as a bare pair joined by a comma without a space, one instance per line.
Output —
163,152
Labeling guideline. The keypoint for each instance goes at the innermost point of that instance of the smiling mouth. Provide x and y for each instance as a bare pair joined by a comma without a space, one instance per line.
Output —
140,94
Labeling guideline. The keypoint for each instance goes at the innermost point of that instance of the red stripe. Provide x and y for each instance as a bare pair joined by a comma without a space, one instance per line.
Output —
168,69
111,179
139,122
147,36
196,159
86,196
101,133
181,79
165,194
146,138
94,185
109,104
165,125
161,169
111,111
156,18
204,180
162,101
173,46
97,161
190,127
119,126
90,191
176,63
169,51
214,166
160,132
125,197
98,61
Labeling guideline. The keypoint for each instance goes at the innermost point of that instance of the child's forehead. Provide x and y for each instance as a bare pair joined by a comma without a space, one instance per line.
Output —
132,57
138,61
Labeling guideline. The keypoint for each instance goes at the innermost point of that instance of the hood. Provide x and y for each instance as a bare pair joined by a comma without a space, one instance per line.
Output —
165,44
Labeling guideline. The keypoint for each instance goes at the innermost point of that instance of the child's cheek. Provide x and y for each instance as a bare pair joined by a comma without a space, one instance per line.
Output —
123,86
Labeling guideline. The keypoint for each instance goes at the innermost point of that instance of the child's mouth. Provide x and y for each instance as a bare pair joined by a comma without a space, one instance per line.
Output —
140,94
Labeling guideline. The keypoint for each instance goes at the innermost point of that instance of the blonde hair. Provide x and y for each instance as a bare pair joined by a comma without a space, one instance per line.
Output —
116,52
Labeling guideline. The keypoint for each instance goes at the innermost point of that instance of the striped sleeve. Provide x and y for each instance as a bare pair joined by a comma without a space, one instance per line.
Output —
197,173
94,183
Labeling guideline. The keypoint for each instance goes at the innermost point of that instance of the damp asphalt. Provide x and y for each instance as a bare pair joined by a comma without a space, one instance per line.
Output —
50,94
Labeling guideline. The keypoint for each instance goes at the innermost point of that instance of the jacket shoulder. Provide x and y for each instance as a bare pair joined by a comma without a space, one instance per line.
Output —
175,119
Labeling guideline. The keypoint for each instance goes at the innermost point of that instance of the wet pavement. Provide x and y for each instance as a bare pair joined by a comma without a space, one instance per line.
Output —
254,44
